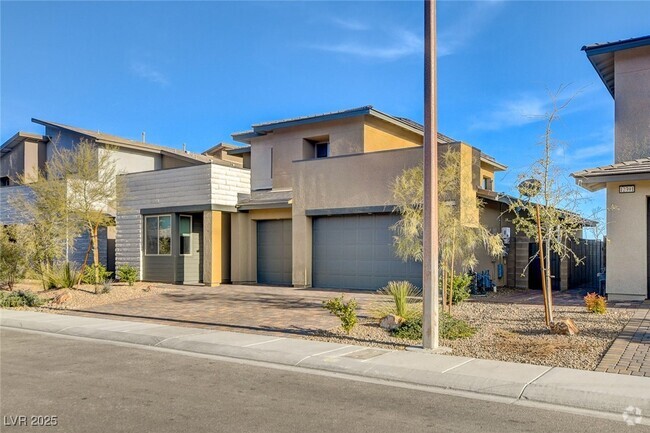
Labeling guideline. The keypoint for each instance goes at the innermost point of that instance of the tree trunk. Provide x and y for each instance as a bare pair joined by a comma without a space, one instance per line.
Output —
549,286
451,279
95,246
85,262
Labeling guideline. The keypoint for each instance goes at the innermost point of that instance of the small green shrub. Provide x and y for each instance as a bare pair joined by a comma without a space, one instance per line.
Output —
88,276
405,301
61,276
20,299
595,303
450,329
128,274
461,290
347,312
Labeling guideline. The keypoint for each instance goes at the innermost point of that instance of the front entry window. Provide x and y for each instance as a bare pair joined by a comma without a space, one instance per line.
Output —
158,235
185,231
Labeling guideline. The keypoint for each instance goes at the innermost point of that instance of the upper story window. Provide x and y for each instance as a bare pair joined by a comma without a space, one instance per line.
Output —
322,149
316,147
488,183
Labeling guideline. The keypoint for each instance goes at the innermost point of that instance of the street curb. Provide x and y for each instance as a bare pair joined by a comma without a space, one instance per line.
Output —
578,389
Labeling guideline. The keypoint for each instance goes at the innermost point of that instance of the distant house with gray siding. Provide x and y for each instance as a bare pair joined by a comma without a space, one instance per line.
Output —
25,154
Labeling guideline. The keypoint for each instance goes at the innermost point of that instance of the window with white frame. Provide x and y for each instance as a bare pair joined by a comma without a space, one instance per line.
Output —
158,235
185,232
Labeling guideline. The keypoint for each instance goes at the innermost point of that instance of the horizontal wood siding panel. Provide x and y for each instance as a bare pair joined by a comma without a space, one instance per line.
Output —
207,184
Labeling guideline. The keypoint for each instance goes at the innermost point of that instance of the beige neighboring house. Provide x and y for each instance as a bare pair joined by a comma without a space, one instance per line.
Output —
320,207
624,68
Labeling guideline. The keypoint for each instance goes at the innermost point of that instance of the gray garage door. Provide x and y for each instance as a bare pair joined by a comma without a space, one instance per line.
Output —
274,252
356,252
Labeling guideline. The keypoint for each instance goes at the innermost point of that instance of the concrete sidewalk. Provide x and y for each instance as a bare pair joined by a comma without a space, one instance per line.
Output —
595,391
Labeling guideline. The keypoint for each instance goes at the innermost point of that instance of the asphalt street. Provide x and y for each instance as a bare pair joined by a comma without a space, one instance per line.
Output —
94,386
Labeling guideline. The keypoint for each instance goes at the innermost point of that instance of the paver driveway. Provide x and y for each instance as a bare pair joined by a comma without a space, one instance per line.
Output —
259,309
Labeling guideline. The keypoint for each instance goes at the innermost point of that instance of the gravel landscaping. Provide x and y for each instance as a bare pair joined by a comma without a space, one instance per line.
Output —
84,296
510,332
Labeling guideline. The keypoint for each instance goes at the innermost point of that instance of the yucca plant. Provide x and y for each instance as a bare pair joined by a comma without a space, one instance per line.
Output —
62,276
400,298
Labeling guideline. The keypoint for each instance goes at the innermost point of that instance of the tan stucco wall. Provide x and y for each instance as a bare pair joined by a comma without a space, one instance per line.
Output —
381,135
632,103
270,214
243,248
627,246
345,137
216,247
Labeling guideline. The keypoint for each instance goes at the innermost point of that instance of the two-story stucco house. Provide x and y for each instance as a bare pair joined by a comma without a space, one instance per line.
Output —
205,181
624,68
320,206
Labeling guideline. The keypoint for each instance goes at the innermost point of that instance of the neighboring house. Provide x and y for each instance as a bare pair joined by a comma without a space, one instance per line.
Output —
320,206
624,68
26,153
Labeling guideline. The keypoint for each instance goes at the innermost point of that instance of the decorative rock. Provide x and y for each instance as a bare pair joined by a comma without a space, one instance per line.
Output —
61,298
564,327
390,322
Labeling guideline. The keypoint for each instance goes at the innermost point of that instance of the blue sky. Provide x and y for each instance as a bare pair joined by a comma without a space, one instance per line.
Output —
196,72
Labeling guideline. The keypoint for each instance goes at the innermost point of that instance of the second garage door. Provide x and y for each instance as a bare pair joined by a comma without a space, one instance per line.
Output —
274,252
356,252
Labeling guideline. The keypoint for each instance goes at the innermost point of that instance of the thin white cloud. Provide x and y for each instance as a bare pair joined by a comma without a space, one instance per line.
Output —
404,43
459,32
350,24
149,73
519,111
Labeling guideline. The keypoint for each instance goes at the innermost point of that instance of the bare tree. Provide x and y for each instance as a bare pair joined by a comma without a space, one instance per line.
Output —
548,208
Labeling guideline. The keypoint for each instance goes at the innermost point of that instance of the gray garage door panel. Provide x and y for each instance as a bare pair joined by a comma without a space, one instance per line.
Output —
274,252
356,252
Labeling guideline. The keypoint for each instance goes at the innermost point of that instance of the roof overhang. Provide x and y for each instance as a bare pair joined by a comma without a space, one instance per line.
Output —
601,57
261,129
595,183
18,138
493,163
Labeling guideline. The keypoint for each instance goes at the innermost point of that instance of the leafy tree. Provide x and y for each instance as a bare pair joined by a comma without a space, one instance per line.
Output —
13,257
460,231
93,189
76,193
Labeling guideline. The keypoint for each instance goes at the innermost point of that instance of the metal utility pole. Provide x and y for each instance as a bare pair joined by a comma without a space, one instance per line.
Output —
430,235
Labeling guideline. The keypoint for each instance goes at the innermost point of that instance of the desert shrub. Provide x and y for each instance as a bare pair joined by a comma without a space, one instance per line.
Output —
595,303
88,276
347,312
450,329
106,287
405,301
63,275
20,299
461,290
127,273
13,257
